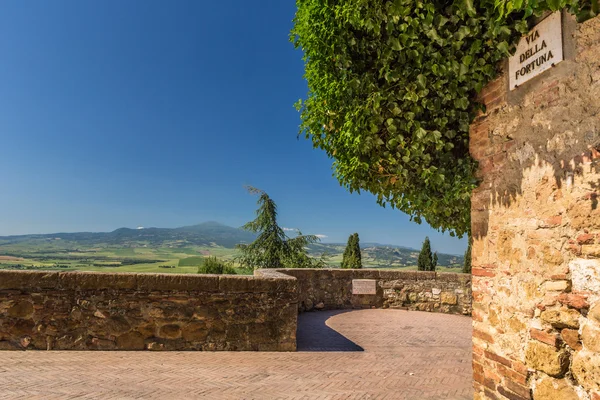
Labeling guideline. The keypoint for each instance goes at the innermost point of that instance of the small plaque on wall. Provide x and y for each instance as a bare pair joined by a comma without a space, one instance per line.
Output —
539,50
364,286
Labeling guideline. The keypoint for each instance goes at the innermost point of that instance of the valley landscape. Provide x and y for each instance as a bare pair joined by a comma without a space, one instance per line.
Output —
177,250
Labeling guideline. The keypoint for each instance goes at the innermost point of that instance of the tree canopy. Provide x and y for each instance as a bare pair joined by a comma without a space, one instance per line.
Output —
273,248
392,89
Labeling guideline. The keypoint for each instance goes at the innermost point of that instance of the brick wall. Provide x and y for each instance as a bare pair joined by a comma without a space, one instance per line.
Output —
536,231
98,311
411,290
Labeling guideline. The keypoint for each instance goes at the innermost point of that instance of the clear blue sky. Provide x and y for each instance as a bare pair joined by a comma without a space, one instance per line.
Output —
156,113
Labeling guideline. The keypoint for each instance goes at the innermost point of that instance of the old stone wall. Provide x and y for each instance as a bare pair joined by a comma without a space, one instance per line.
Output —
97,311
411,290
536,230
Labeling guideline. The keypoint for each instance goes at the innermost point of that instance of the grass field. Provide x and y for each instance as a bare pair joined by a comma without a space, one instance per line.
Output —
141,259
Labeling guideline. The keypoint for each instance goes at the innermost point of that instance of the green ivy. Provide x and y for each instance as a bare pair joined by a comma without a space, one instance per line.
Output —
392,88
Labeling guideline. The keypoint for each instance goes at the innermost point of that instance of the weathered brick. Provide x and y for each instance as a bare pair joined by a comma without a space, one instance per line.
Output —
499,359
545,337
486,337
578,301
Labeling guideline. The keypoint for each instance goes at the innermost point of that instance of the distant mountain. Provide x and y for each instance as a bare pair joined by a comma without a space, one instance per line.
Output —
205,234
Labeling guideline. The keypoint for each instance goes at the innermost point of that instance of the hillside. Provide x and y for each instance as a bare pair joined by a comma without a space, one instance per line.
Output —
148,249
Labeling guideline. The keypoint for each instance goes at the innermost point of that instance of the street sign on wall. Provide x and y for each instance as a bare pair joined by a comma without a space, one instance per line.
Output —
539,50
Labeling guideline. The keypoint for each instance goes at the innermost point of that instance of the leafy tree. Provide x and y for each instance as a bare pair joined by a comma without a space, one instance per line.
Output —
467,264
273,248
352,257
212,265
425,261
393,87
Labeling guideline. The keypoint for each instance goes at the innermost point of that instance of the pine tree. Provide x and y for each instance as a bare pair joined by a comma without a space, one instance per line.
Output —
273,248
434,261
352,257
424,263
467,264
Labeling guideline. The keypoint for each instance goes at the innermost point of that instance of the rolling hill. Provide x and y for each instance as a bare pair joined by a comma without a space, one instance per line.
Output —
128,246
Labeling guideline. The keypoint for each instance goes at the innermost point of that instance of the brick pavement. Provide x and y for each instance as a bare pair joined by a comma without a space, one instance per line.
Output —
407,355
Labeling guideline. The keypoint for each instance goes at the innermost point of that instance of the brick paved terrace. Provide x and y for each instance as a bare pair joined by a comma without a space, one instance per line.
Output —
361,354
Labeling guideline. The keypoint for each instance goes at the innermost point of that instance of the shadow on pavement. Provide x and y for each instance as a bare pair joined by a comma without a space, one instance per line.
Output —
314,335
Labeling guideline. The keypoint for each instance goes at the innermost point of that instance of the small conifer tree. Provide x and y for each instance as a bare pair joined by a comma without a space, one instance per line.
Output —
352,257
272,247
467,264
434,261
425,260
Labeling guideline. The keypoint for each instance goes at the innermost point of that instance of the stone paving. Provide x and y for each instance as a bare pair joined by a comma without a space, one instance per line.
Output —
363,354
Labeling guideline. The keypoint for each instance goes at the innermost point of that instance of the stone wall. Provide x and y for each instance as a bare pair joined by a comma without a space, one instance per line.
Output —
411,290
98,311
536,230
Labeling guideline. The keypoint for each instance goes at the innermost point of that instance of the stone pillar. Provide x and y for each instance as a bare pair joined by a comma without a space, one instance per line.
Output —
536,230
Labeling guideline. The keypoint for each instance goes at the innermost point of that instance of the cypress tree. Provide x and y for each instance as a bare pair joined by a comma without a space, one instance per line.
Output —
352,257
424,263
434,261
356,252
467,264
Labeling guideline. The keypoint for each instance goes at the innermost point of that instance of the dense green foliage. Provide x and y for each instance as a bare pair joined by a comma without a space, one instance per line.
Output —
352,258
212,265
273,248
467,264
392,88
426,261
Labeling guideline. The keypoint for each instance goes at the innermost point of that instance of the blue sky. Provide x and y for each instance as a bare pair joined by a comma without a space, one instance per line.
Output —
153,113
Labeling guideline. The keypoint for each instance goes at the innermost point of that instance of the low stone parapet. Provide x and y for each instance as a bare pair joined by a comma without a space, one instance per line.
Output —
116,311
412,290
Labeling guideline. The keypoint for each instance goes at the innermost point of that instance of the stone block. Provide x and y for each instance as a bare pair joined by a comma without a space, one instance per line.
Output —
591,338
561,318
571,338
546,358
130,341
557,286
21,309
586,369
594,313
448,298
554,389
169,331
585,275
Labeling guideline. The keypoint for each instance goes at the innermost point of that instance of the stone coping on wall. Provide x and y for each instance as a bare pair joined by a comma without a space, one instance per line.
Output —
75,280
368,273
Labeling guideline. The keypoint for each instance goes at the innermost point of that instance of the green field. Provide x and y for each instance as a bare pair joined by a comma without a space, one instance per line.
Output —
173,251
157,260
